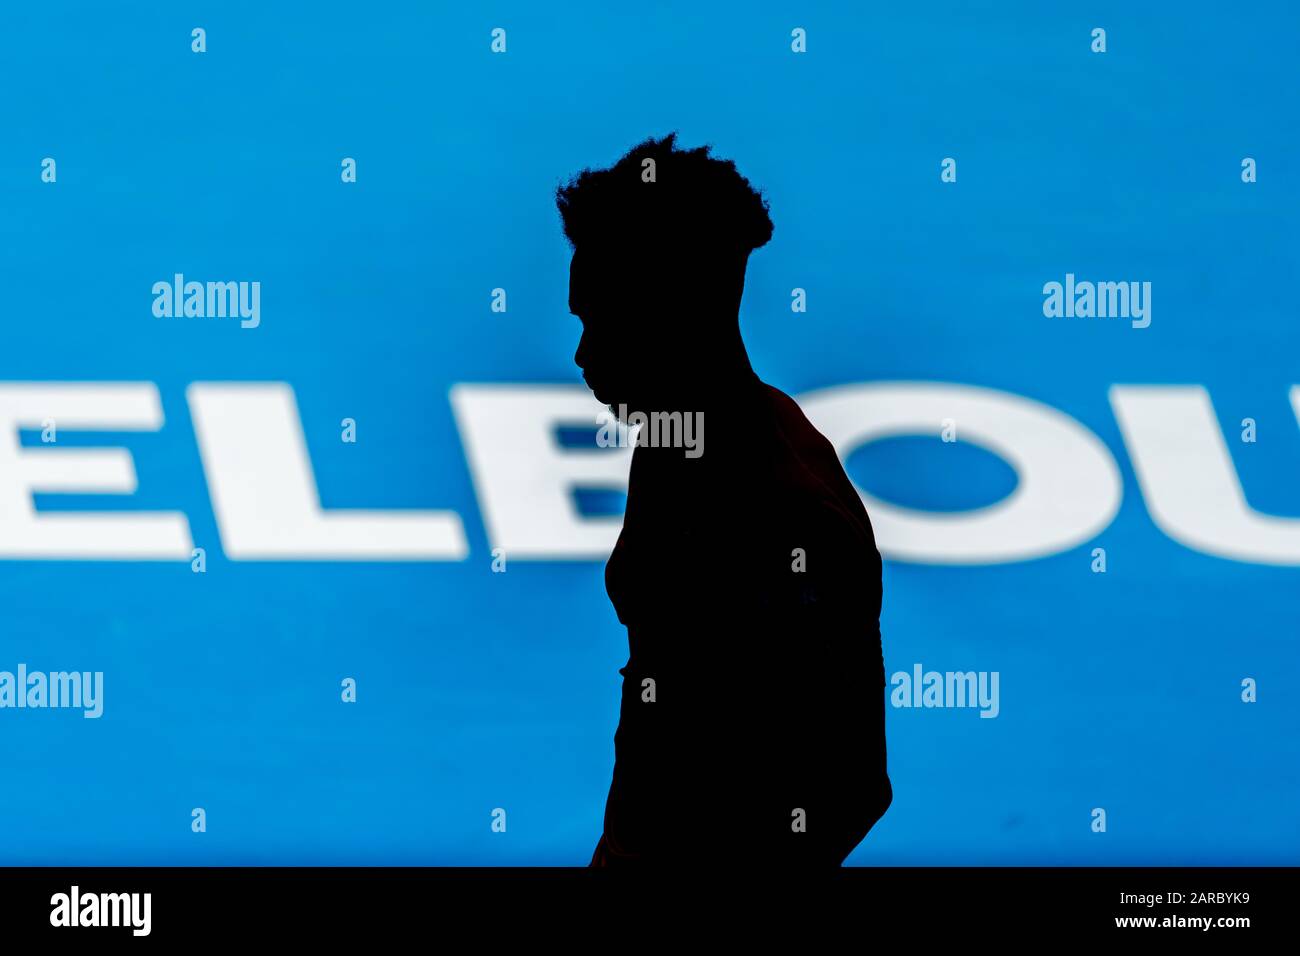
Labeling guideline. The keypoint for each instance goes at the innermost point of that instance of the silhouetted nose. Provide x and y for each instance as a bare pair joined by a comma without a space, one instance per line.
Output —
580,356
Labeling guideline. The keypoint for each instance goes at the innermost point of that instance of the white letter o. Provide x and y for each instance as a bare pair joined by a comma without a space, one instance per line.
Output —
1068,487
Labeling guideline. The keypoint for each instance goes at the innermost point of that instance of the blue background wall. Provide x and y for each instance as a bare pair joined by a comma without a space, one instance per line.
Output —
480,690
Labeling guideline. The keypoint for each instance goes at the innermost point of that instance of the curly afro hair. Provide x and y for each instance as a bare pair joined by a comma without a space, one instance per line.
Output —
696,201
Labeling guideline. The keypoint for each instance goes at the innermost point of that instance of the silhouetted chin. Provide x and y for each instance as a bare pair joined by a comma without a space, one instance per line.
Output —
605,398
616,403
647,402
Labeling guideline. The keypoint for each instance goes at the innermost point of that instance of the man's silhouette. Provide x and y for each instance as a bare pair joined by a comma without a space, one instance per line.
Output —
751,729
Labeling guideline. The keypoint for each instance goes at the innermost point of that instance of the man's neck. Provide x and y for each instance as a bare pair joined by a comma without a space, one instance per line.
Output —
716,431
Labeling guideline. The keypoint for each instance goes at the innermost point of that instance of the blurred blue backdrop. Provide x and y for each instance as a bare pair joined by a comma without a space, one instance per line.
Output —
479,690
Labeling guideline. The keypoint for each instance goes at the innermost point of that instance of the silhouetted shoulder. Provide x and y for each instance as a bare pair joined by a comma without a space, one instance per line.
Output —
804,437
811,462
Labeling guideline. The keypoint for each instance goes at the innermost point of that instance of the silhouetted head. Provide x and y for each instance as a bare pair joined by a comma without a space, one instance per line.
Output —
660,242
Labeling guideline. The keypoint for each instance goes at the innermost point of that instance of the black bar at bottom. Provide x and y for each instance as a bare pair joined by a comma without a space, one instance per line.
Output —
333,905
